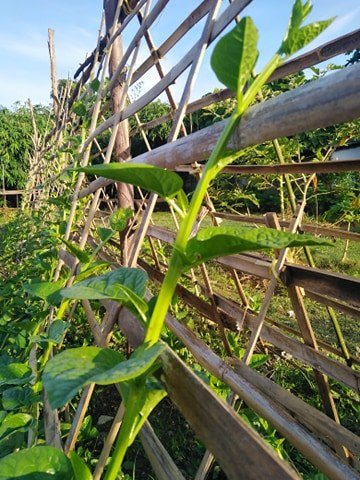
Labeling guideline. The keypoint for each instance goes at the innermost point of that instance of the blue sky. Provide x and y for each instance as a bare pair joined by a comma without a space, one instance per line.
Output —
24,67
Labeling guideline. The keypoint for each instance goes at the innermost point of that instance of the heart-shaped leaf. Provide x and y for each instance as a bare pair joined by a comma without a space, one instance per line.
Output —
120,219
48,291
125,285
37,463
15,374
14,422
214,242
163,182
57,330
297,36
16,397
234,56
77,251
105,233
69,371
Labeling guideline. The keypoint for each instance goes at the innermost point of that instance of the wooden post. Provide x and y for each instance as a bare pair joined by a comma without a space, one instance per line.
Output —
125,192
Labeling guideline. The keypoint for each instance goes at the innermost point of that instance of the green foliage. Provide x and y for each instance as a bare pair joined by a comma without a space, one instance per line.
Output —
15,142
72,369
38,463
212,242
297,36
120,219
163,182
49,291
235,55
126,285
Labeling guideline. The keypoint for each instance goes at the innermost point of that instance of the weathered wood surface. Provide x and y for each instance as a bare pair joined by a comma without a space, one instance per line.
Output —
161,462
329,100
318,454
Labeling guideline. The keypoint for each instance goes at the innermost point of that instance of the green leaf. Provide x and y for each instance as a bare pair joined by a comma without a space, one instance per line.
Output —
14,422
298,38
105,233
214,242
37,463
163,182
57,330
125,285
111,285
183,200
81,470
77,251
235,55
151,395
69,371
15,374
120,218
17,397
91,269
79,108
48,291
94,85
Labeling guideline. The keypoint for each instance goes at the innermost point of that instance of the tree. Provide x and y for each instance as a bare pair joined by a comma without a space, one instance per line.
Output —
15,141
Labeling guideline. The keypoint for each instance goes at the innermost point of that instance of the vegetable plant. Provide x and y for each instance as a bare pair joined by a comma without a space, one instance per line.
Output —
233,61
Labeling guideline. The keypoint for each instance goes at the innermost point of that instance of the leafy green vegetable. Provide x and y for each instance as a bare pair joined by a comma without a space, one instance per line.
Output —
163,182
120,218
297,37
79,108
125,285
105,233
37,463
69,371
14,374
77,251
235,55
213,242
17,397
14,422
48,291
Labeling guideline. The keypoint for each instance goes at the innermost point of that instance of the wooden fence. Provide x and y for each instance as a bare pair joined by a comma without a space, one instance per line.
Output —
327,101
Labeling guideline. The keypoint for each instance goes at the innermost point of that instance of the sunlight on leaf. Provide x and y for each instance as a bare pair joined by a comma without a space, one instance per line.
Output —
69,371
163,182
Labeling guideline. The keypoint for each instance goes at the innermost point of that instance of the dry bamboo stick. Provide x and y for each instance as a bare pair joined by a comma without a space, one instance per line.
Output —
335,166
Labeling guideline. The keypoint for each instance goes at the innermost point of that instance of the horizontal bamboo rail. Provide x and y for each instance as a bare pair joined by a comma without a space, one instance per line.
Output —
335,166
332,99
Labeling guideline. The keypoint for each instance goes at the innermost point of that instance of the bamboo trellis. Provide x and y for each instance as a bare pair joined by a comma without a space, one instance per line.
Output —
327,101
